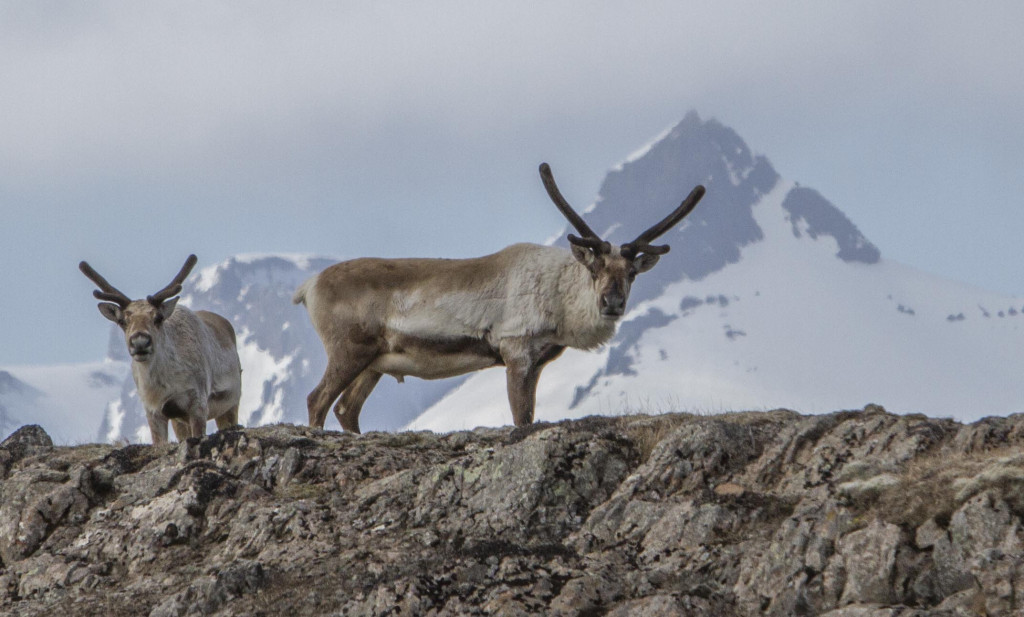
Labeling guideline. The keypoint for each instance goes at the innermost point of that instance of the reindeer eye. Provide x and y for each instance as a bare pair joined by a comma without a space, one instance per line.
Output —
159,319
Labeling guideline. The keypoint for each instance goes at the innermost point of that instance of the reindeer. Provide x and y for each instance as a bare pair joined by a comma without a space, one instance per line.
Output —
185,364
435,318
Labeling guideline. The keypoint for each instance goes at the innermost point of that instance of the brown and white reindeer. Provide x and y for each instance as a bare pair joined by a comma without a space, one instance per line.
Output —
433,318
185,364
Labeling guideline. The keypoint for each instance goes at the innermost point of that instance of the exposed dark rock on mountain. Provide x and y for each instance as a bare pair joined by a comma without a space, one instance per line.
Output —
854,513
807,207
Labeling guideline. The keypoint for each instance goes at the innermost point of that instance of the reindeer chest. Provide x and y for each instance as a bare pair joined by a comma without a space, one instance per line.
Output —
169,394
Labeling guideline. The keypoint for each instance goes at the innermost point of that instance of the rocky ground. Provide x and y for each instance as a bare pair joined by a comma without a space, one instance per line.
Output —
859,513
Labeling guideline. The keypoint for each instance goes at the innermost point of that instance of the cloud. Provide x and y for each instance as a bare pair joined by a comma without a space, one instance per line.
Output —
123,119
120,84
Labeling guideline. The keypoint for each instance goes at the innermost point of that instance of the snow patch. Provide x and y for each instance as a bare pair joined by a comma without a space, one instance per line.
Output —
115,416
641,152
261,371
736,177
611,229
206,278
550,241
299,260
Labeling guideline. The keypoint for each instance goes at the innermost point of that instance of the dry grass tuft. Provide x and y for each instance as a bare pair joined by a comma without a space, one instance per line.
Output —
936,484
646,432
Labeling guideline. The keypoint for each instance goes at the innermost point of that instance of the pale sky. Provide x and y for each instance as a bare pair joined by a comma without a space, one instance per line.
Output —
133,134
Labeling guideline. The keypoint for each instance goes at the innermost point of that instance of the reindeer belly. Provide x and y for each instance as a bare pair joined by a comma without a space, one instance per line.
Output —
429,358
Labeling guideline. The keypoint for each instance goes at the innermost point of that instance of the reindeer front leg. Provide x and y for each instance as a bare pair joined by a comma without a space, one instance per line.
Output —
187,414
157,427
182,431
197,417
524,359
521,379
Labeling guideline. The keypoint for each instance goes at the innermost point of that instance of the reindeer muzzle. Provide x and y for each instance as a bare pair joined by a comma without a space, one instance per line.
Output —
140,346
613,305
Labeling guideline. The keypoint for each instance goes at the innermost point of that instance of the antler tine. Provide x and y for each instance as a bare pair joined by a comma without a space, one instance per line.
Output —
671,220
106,291
632,249
563,206
117,298
642,243
174,287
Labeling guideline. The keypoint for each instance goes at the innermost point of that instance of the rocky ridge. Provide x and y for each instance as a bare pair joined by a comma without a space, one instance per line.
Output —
859,513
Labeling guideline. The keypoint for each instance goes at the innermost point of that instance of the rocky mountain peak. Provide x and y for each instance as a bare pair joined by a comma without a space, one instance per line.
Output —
712,236
9,384
655,179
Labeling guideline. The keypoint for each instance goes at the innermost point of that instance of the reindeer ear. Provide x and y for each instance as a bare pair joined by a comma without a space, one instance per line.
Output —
583,255
167,307
111,311
645,261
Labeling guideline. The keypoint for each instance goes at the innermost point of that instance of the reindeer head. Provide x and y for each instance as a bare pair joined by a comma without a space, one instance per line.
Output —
141,320
613,268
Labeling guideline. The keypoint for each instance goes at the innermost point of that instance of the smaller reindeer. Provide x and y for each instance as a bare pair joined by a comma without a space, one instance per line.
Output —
185,364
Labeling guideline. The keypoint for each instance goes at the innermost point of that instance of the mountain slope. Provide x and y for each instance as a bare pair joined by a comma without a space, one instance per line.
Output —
69,401
770,297
16,397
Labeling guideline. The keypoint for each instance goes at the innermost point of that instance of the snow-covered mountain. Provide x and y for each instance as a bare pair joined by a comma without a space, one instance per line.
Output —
68,400
770,297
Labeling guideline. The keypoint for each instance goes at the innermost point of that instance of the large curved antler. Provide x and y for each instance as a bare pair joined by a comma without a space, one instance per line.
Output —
106,291
642,244
174,288
590,239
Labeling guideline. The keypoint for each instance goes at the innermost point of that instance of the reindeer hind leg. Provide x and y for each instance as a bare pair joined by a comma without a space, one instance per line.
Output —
227,419
339,375
351,401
